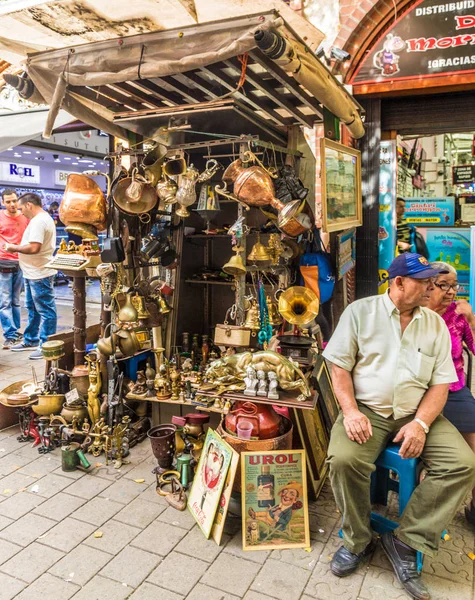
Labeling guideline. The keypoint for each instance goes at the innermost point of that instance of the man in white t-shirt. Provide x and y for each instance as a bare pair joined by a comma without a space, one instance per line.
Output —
34,252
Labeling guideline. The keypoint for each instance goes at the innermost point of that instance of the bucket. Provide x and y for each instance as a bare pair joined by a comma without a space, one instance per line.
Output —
281,442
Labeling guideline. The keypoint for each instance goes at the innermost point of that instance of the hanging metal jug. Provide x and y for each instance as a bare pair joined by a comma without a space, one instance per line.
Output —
128,312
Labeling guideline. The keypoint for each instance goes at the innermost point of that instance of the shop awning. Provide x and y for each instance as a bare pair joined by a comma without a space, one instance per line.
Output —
17,128
142,83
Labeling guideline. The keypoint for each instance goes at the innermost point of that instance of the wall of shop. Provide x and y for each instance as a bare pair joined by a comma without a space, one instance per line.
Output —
26,173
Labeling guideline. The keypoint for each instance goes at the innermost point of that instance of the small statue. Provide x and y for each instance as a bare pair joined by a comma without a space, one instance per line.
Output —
251,381
261,383
273,384
72,248
175,381
150,378
187,365
140,387
161,383
94,389
63,247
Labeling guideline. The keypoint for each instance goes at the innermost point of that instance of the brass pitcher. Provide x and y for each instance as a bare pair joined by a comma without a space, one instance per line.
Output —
128,312
152,165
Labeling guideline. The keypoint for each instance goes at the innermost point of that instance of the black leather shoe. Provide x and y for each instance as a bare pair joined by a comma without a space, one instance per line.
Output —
404,562
345,563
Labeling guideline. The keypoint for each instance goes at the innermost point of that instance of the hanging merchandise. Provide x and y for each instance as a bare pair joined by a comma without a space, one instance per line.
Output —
166,190
259,252
288,186
232,335
83,208
152,164
298,305
316,268
265,332
208,205
145,204
186,193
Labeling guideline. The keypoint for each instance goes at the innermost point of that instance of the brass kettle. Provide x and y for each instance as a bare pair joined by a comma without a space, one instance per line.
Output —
235,266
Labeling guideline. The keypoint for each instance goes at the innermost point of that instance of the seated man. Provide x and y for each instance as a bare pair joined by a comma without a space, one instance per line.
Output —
391,370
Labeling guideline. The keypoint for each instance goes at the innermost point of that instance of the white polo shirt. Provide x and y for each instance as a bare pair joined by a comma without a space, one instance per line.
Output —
40,229
390,372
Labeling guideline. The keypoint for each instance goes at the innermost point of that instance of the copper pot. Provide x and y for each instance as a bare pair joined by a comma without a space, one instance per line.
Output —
293,220
83,203
147,200
266,423
252,185
70,411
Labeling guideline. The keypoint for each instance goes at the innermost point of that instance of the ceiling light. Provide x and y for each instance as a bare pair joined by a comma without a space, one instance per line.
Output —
10,149
26,152
74,163
67,158
37,152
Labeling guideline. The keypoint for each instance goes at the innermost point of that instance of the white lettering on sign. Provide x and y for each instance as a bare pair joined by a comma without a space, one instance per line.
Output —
60,177
20,173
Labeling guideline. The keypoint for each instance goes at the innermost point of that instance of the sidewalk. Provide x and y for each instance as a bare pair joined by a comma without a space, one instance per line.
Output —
150,551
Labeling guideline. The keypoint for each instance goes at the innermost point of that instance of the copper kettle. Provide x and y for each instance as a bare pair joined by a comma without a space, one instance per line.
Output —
83,203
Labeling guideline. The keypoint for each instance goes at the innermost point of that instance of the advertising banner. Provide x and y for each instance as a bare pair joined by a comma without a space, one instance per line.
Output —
19,173
430,212
463,174
387,207
452,246
433,38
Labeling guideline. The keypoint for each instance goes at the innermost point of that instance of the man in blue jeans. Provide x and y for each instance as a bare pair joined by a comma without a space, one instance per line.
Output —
12,227
34,252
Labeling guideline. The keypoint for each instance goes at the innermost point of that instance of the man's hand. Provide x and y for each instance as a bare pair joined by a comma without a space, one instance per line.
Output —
357,426
7,247
414,439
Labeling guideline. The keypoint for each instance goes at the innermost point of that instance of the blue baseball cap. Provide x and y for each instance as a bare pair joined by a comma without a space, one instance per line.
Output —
412,265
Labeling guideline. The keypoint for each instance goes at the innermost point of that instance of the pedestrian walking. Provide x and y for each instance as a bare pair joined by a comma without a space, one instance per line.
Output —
12,227
35,250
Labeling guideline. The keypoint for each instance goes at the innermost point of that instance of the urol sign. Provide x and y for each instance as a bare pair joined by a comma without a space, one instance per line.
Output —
432,39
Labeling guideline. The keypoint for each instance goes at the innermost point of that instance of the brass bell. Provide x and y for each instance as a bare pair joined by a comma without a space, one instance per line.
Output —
274,315
163,307
139,304
299,305
235,266
259,252
252,317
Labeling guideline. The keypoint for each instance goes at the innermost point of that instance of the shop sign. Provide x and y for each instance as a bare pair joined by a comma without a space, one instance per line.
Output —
20,173
431,212
468,213
80,141
452,246
60,177
463,174
472,266
387,207
433,38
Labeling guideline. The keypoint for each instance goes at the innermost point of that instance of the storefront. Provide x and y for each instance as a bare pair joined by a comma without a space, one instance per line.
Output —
414,75
206,221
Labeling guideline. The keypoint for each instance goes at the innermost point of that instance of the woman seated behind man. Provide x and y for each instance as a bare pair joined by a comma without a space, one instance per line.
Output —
459,317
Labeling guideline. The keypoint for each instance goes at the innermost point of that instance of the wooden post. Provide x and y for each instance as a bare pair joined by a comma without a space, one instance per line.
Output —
79,312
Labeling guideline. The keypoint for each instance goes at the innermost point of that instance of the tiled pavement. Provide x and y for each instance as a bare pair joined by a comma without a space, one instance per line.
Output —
149,551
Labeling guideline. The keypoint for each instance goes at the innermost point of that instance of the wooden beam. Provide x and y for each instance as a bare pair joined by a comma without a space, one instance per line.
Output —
139,95
257,104
188,94
288,82
91,94
260,84
159,92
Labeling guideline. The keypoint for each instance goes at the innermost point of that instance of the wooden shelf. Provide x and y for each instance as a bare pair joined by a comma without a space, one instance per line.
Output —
178,403
205,282
288,399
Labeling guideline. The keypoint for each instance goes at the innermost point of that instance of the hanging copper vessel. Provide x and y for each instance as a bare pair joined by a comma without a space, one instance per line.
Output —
299,305
83,208
293,220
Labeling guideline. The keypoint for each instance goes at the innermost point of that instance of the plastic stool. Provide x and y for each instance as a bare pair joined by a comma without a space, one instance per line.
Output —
408,470
131,364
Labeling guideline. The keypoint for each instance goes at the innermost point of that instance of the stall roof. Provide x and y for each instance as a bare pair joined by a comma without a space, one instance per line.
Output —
146,82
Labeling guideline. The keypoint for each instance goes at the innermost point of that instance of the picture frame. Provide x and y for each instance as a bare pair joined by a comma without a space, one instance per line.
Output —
209,480
220,517
327,401
345,252
341,186
274,500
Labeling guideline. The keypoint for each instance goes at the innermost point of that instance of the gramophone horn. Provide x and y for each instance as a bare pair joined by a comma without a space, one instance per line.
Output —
235,266
298,305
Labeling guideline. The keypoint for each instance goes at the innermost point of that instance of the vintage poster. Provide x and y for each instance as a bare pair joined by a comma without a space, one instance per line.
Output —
451,245
208,483
220,516
274,500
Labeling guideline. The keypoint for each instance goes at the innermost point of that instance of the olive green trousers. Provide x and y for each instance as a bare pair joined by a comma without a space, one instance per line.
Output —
450,466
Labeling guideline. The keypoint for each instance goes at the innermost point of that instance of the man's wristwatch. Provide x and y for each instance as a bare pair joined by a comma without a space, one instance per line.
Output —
424,426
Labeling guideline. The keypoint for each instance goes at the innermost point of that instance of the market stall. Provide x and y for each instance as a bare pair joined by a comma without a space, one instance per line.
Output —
209,341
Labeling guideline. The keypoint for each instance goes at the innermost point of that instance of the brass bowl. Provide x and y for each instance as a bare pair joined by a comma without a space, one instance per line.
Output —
13,388
48,404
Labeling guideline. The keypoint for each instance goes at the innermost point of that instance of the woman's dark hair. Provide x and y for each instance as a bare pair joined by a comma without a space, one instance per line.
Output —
30,197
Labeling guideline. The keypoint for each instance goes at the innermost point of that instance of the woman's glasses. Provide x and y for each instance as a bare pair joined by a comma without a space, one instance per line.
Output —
445,287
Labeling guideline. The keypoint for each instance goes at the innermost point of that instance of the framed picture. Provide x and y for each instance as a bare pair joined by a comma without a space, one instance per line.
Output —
327,401
274,500
210,476
341,186
345,252
314,439
220,516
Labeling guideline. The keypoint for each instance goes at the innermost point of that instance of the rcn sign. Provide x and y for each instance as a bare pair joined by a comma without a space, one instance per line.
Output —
20,173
